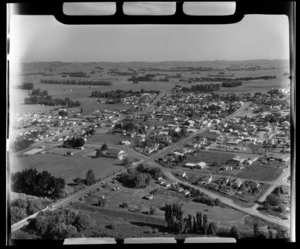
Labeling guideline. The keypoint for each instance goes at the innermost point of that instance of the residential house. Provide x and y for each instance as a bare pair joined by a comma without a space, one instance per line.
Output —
112,153
199,165
148,197
125,142
237,182
207,179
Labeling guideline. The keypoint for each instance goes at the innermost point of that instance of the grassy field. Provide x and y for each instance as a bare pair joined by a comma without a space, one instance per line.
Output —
210,157
260,173
225,217
107,138
65,167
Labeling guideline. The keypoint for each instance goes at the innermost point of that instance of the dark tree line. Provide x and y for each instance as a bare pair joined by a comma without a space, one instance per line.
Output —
37,96
75,74
60,224
27,86
76,82
74,142
202,88
231,83
139,177
118,94
31,182
198,224
21,144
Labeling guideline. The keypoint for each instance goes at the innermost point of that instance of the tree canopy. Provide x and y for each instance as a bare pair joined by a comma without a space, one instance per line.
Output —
31,182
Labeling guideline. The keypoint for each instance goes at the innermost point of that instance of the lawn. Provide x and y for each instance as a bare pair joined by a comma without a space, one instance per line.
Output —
65,167
260,173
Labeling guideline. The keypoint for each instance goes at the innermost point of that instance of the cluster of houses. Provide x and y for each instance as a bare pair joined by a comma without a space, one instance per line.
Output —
226,185
174,186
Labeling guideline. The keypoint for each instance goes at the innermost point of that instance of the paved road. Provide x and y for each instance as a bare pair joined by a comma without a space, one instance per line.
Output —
160,95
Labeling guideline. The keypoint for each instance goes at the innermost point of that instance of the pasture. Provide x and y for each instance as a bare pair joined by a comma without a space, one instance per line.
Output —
112,139
260,173
65,167
210,157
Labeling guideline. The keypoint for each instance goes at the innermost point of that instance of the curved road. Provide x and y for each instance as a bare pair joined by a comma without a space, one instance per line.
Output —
229,202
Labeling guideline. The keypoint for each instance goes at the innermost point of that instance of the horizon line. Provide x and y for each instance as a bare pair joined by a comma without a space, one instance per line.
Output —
222,60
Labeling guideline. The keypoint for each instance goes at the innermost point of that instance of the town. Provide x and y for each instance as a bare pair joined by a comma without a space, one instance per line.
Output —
189,144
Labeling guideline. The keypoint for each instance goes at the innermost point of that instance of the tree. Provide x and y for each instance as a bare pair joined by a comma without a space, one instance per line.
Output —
63,113
34,206
17,214
199,222
218,202
234,232
77,180
152,210
102,202
104,147
90,177
126,162
20,203
205,223
255,230
82,222
212,228
30,182
273,200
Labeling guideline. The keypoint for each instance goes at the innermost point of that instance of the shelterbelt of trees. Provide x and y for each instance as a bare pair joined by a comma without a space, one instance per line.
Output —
231,83
118,94
202,88
38,96
76,82
202,79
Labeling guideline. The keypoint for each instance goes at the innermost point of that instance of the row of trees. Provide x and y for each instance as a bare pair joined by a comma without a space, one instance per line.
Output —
192,224
118,94
31,182
37,96
231,83
76,82
75,74
206,88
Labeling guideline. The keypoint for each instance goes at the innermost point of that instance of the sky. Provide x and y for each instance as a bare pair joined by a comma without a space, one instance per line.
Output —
43,38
